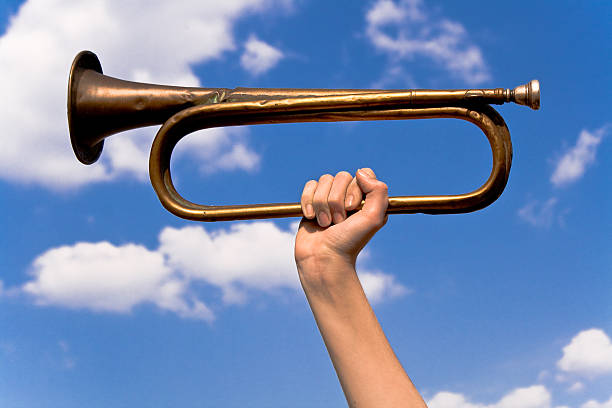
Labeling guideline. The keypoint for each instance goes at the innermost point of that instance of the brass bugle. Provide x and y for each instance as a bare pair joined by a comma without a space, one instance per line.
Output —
99,106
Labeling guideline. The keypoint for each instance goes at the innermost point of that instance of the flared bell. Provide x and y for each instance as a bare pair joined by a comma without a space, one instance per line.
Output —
100,106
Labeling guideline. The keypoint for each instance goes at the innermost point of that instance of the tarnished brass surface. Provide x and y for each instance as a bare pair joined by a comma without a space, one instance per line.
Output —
99,106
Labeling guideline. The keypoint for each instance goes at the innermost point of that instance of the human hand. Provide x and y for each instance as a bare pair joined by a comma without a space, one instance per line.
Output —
326,234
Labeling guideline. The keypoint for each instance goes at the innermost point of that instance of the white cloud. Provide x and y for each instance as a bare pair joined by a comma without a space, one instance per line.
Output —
595,404
104,277
244,258
380,286
395,75
576,387
588,354
259,57
219,149
572,165
404,30
536,396
540,214
543,375
156,43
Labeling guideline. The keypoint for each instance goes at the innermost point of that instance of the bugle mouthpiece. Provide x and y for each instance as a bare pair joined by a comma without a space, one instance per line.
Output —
528,94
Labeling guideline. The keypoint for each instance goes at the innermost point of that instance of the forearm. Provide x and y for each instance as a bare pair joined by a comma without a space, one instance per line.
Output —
368,370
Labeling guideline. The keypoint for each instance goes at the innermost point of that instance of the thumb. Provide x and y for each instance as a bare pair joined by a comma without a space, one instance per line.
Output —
366,179
377,198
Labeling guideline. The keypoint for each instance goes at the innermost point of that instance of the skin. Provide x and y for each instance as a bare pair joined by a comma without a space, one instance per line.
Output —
326,249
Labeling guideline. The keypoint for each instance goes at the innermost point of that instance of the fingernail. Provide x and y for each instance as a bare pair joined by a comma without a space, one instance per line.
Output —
349,201
323,219
309,211
363,173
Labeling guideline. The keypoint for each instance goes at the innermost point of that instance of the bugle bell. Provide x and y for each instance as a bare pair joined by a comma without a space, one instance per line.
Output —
99,106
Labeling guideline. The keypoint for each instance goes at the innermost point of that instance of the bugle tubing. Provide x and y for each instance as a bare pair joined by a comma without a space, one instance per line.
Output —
99,106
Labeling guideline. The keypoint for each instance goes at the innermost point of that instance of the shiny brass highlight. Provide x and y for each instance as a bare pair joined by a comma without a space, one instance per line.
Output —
99,106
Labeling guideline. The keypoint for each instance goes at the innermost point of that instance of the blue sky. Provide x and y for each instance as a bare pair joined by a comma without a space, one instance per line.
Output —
108,300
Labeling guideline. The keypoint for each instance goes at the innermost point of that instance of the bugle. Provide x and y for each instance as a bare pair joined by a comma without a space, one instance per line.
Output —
99,106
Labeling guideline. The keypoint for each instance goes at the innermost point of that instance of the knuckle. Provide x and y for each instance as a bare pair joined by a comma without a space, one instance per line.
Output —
310,184
326,178
344,174
369,171
336,202
308,191
319,201
381,186
309,188
378,220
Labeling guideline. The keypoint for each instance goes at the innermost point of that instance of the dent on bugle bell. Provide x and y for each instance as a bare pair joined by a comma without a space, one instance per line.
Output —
100,106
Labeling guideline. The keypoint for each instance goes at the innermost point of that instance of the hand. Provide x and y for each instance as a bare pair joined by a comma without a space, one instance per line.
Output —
326,234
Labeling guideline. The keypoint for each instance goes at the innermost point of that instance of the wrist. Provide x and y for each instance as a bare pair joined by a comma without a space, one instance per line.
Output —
327,274
324,264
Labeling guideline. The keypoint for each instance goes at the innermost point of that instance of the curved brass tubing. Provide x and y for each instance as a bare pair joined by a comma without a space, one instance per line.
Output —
100,106
313,110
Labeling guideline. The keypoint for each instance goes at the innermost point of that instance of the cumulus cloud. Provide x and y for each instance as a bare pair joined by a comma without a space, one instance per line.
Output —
265,261
156,43
219,149
111,278
595,404
405,30
379,286
536,396
104,277
588,354
572,165
258,56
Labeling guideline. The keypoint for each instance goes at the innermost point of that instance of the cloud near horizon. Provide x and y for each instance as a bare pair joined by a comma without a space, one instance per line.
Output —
44,36
104,277
596,404
588,354
536,396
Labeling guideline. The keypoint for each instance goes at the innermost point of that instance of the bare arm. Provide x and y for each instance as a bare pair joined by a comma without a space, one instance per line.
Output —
326,249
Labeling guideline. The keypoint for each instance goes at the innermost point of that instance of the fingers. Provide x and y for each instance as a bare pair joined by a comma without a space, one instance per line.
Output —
319,200
326,198
377,197
306,200
337,196
353,196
